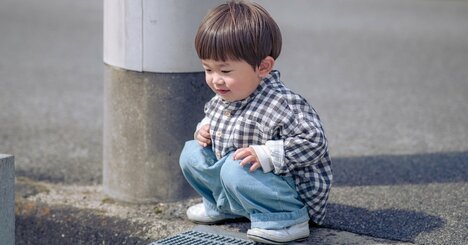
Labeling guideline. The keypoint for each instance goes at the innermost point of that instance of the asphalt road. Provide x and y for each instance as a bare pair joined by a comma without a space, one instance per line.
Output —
51,94
388,77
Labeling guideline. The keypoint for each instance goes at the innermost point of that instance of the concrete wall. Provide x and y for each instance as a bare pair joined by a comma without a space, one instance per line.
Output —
7,200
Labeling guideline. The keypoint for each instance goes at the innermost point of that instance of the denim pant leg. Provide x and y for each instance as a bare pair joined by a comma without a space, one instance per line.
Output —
201,169
269,200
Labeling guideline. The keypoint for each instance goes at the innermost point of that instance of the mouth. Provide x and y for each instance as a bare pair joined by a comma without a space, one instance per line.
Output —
222,91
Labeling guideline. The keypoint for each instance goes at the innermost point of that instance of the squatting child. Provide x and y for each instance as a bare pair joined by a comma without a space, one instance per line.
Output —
260,152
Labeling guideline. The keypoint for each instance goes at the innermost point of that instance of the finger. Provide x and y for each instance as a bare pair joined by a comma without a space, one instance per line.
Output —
247,160
234,156
203,138
246,152
239,154
203,141
254,166
205,134
206,140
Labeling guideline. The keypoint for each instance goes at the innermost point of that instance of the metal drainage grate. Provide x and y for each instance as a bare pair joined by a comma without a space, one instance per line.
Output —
201,238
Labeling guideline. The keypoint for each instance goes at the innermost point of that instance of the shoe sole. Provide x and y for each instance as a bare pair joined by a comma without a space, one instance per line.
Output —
269,241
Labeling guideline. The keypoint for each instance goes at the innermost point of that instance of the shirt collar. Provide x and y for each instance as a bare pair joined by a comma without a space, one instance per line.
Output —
269,79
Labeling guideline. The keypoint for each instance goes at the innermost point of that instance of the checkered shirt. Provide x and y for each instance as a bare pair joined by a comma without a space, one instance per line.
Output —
273,112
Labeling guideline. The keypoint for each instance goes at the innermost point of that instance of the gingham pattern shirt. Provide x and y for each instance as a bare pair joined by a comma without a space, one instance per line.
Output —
275,113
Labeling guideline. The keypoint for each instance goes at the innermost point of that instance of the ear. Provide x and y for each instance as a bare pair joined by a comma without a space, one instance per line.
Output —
266,66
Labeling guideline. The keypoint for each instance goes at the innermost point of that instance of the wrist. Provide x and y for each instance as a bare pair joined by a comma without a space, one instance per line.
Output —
264,157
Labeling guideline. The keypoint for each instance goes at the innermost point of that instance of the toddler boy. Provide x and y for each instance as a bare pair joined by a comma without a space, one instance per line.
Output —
260,152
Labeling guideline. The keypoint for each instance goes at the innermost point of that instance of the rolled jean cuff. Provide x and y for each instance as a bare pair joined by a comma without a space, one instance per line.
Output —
275,221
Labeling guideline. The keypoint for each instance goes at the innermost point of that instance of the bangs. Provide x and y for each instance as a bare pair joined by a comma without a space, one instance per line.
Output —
217,46
219,39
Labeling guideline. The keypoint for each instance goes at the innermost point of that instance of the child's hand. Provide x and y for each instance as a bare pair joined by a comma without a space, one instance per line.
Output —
248,156
203,135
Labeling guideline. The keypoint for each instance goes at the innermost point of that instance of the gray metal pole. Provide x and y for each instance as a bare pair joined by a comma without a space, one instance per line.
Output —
154,95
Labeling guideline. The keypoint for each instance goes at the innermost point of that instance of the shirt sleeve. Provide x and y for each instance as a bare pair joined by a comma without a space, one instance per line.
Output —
303,139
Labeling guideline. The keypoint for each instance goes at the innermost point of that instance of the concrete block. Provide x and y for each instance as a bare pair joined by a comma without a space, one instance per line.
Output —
7,200
147,118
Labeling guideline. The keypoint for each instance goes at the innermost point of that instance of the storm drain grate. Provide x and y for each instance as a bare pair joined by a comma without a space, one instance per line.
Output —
201,238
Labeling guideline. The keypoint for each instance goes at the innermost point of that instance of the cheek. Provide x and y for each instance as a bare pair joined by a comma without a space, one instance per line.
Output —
231,83
208,79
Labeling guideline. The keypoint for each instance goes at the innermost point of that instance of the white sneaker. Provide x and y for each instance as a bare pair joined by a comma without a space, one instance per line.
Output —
293,233
197,214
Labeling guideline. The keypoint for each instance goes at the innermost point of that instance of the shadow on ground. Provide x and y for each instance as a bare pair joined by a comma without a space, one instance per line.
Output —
392,224
387,170
39,224
400,170
401,225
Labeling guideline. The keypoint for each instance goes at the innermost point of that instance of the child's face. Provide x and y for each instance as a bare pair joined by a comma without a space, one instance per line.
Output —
232,80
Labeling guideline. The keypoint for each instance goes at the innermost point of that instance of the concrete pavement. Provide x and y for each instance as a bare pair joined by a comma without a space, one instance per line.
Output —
388,78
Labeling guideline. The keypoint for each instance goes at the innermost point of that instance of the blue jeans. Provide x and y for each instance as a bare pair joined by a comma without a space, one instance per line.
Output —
229,190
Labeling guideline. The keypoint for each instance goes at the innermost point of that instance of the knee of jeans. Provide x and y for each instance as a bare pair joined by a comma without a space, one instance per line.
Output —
232,175
185,156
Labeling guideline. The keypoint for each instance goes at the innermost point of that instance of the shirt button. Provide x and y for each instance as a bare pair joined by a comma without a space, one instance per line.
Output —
227,113
218,155
218,134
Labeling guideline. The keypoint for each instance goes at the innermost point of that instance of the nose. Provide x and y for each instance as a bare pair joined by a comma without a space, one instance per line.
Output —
218,80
